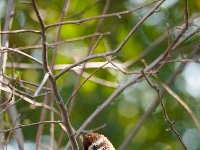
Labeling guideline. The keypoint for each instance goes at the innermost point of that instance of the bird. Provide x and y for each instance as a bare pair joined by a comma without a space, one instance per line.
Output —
95,141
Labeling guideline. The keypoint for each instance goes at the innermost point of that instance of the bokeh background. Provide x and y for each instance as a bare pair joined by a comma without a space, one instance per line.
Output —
121,116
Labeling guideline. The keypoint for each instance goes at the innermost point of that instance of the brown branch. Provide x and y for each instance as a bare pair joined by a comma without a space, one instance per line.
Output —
185,27
91,50
64,41
94,48
152,106
117,49
153,86
19,31
74,93
85,9
95,129
12,129
56,93
45,78
98,80
10,105
118,14
21,82
126,72
4,49
28,125
130,82
187,108
29,100
7,101
63,14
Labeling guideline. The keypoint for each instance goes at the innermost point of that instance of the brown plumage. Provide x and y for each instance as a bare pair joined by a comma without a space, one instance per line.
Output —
95,141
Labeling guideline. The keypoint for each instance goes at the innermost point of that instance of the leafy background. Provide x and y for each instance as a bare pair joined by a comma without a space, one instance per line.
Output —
129,106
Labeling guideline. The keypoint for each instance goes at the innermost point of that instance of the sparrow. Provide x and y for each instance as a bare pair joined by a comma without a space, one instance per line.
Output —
95,141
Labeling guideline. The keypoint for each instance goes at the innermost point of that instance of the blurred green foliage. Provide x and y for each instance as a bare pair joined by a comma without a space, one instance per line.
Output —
125,111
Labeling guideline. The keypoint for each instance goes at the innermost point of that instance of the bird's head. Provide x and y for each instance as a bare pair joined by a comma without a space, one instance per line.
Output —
95,141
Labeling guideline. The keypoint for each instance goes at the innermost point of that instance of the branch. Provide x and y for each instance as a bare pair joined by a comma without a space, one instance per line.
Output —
152,106
28,125
19,31
30,100
117,49
56,93
64,41
118,14
187,108
4,49
153,86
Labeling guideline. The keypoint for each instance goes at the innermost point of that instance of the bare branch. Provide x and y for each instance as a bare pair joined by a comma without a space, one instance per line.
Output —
118,14
19,31
4,49
56,93
152,106
182,103
41,84
28,125
83,83
117,49
30,101
153,86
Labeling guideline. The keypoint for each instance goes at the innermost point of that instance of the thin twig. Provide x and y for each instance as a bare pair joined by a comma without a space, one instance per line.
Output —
19,31
83,83
95,129
118,14
4,49
126,72
12,129
90,52
185,27
41,84
7,101
52,80
62,17
153,86
187,108
10,105
29,100
98,80
16,80
152,106
28,125
121,88
64,41
85,9
117,49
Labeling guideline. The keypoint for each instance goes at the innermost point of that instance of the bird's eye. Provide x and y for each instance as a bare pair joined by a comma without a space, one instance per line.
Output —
95,147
